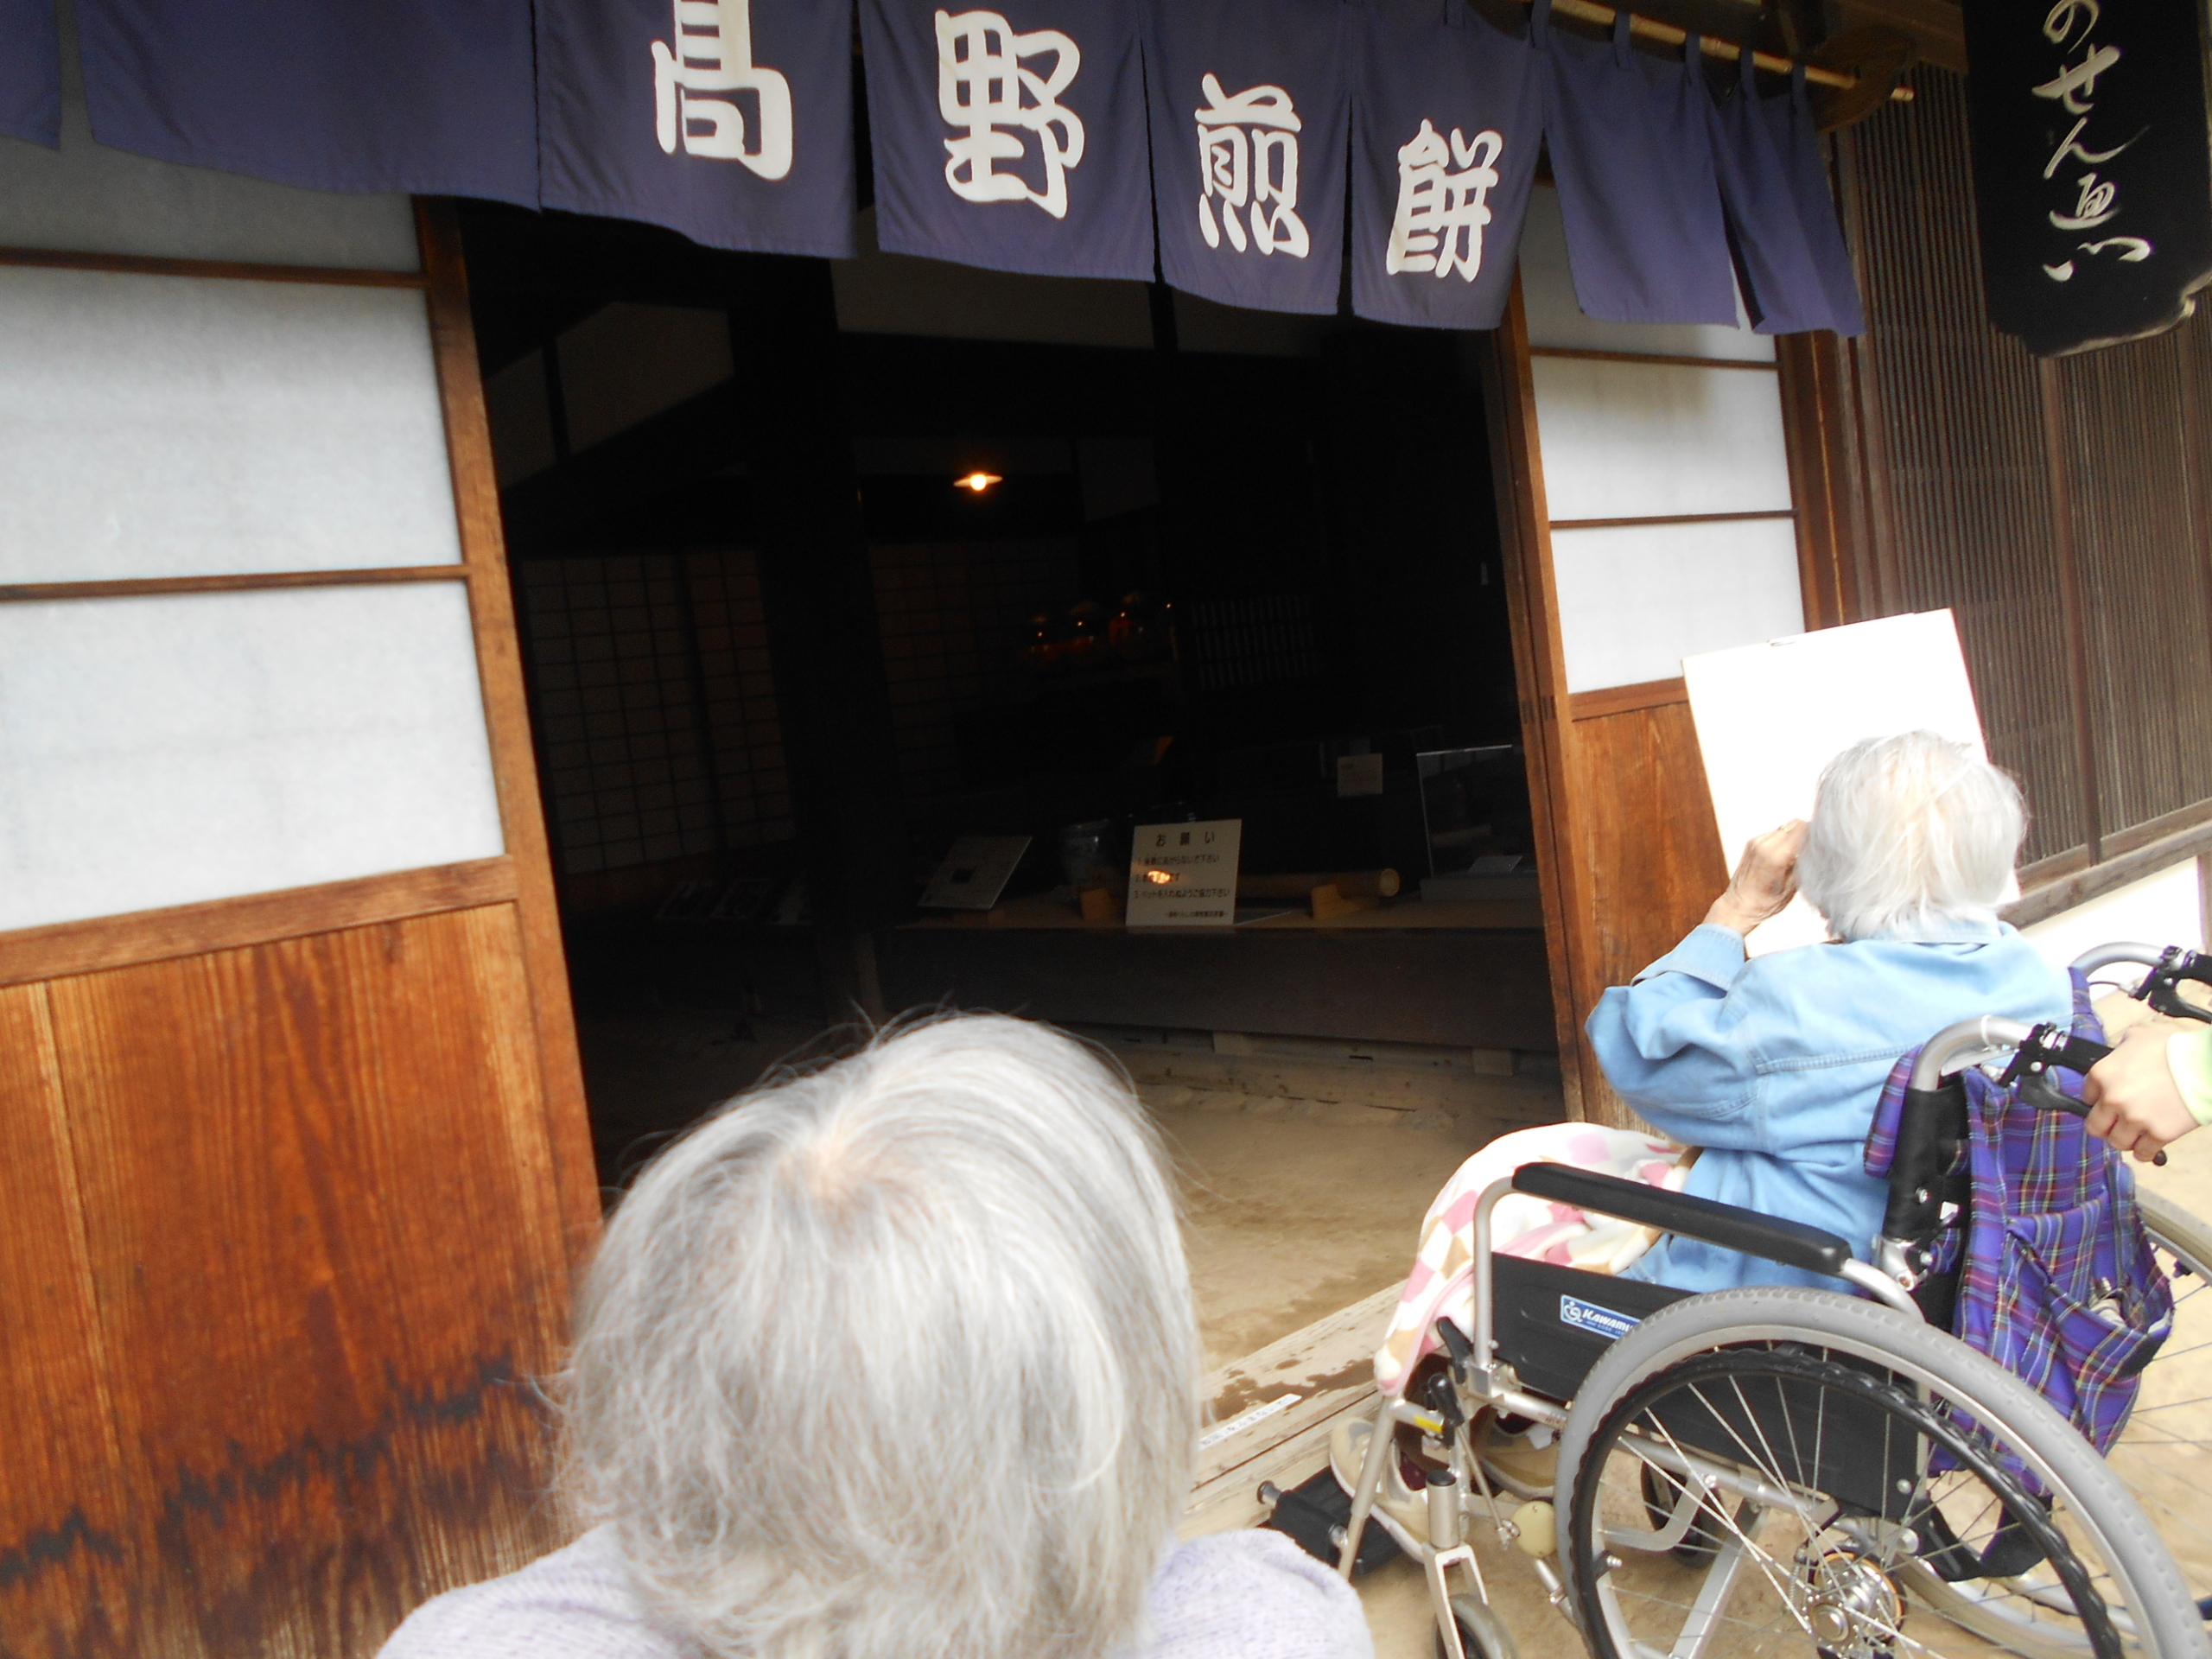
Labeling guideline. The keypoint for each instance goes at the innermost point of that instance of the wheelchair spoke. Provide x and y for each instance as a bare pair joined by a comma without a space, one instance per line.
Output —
1821,1523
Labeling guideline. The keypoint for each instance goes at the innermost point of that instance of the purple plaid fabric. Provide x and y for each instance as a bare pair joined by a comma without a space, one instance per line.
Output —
2059,1286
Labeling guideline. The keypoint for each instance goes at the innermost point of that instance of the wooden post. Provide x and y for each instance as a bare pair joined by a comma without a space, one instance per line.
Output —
819,594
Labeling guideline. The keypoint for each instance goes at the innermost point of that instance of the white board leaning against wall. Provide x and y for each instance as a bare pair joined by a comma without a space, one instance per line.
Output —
1770,717
1666,480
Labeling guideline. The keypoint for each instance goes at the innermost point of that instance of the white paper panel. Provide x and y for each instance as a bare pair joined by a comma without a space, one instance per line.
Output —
88,199
1555,319
165,749
1638,440
169,426
1771,715
1634,602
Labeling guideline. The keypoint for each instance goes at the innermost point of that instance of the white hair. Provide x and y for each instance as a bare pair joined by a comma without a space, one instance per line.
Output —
1912,837
896,1358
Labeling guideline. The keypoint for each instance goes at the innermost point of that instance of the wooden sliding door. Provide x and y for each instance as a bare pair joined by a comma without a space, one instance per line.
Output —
1652,504
293,1166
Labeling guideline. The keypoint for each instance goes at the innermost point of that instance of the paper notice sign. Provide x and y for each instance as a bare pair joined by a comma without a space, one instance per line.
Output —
1184,875
1769,717
974,873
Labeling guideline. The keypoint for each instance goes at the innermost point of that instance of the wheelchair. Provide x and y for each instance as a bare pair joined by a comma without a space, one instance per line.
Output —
1766,1470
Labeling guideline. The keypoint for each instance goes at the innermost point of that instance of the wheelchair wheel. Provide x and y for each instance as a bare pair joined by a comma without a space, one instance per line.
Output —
1483,1635
2164,1454
1879,1488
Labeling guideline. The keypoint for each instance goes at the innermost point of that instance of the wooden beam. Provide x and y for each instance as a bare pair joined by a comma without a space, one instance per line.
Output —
248,582
62,948
506,720
134,264
1540,676
1623,699
818,590
1660,359
1816,429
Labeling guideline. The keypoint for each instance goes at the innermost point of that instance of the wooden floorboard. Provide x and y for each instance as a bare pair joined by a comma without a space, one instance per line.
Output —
1326,1370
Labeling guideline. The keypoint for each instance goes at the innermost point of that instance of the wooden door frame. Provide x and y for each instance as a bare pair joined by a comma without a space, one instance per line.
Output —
1540,678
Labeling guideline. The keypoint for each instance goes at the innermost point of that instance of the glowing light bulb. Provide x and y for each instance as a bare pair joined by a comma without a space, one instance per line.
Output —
978,482
1158,878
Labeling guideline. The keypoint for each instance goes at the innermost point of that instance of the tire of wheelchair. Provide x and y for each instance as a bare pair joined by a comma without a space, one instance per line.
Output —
2166,1621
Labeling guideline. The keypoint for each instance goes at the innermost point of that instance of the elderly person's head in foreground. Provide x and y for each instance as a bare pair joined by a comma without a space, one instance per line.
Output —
896,1358
1912,837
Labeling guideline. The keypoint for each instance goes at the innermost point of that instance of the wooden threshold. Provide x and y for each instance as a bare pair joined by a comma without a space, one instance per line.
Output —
1625,699
1327,1371
240,581
1663,359
62,948
139,264
1673,518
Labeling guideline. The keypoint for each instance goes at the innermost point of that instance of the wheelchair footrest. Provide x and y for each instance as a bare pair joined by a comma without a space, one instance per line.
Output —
1305,1515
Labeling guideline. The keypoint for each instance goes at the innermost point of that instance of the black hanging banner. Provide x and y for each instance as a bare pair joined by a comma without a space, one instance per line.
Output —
1249,100
1444,134
30,72
1013,138
728,120
2092,182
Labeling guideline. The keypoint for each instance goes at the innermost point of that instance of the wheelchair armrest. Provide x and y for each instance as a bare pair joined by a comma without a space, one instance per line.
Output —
1791,1243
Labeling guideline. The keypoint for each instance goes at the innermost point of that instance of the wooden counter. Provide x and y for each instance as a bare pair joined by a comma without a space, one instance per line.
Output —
1466,975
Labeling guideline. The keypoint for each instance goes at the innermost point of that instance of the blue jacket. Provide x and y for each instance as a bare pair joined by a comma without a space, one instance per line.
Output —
1774,1066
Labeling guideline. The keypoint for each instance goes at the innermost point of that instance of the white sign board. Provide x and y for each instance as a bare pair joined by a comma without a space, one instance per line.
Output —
1769,717
1184,875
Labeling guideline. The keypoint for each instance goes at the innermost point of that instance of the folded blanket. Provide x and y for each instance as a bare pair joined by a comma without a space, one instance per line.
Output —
1441,1284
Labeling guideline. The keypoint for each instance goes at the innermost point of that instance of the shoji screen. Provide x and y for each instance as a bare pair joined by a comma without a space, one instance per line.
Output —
1666,477
293,1159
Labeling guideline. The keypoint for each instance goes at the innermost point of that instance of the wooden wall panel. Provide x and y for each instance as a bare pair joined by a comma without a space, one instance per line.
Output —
292,1157
1650,844
64,1525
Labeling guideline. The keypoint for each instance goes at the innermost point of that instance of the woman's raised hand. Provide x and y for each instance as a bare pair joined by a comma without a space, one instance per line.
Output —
1765,880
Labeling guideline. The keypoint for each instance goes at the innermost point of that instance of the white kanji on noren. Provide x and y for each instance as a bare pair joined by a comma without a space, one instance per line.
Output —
1438,226
712,56
983,86
1248,161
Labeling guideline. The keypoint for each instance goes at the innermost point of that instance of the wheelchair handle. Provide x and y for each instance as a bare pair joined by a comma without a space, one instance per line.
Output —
2160,989
2143,956
2037,1052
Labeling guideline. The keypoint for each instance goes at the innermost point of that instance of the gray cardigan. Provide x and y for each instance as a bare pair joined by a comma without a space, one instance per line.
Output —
1234,1595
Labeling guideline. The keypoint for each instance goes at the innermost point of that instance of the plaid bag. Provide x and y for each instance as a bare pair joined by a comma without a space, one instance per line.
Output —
2059,1284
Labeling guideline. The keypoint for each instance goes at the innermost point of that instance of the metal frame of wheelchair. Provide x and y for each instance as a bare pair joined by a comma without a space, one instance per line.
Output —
1483,1378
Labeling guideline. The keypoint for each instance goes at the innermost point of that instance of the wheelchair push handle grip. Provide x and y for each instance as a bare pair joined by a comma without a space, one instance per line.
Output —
1791,1243
2048,1048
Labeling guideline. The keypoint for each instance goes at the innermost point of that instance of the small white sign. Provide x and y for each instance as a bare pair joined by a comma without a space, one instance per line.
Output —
1769,717
1184,875
974,873
1250,1417
1359,774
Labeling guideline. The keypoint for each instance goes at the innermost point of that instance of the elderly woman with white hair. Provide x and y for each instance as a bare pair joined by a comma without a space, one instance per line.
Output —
897,1359
1772,1066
